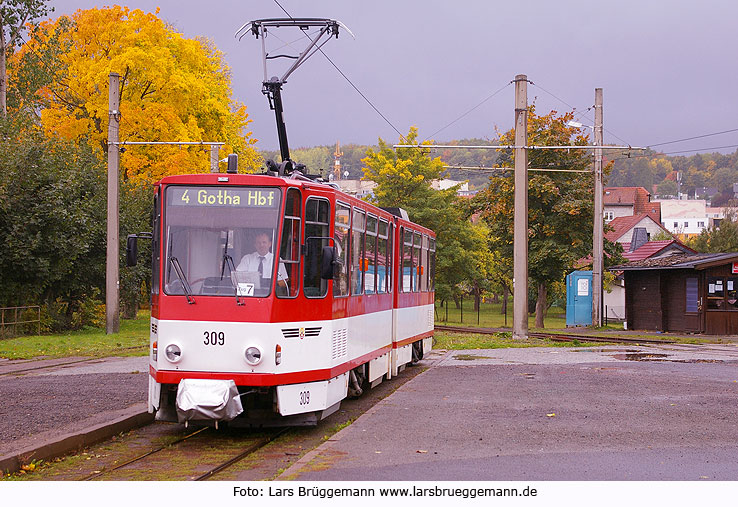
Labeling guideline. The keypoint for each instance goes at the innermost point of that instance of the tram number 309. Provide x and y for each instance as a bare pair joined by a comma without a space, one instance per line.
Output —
304,397
214,338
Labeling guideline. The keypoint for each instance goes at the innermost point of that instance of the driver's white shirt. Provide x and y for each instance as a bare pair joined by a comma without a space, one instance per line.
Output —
250,262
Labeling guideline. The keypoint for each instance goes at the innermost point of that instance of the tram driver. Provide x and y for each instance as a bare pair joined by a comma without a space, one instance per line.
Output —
261,262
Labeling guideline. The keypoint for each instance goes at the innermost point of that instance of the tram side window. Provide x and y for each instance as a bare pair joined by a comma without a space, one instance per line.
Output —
417,267
407,261
382,257
358,263
289,249
424,265
341,235
370,257
432,265
388,257
317,225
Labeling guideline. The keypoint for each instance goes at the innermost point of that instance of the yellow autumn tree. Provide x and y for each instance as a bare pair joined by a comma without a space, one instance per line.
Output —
172,89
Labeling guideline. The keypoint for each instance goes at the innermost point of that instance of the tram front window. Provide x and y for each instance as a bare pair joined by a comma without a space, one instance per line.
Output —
219,239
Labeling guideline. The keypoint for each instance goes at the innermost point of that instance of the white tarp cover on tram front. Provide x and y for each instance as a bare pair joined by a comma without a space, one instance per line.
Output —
207,399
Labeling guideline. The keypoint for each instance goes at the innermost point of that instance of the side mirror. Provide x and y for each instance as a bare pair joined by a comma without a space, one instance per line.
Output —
329,262
131,250
232,164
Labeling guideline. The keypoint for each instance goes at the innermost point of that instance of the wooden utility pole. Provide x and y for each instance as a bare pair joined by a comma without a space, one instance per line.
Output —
597,247
520,235
112,281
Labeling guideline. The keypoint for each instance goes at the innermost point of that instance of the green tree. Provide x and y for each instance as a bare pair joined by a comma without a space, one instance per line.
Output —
403,178
723,178
667,188
171,88
14,14
720,239
560,205
136,207
52,226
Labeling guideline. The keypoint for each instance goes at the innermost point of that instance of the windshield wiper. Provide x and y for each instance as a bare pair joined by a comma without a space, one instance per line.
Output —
227,260
182,278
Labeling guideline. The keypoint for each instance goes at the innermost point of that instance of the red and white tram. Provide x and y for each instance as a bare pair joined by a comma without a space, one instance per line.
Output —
342,297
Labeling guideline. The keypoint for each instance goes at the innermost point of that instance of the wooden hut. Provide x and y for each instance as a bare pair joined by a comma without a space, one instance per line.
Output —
694,293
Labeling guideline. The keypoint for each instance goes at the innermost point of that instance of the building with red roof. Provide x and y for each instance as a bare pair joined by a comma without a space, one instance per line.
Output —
629,201
655,249
621,228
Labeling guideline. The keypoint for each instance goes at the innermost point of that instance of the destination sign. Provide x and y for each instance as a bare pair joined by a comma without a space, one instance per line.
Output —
230,197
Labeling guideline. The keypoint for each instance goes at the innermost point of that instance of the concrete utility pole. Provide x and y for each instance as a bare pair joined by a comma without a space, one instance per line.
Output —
520,235
214,158
112,283
597,247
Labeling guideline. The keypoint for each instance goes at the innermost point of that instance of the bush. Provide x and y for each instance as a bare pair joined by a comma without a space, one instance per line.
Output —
91,312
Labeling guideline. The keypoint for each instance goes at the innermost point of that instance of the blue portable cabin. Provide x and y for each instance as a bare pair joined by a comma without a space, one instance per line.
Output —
579,298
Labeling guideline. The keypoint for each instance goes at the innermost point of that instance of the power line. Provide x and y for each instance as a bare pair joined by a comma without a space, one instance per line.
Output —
692,138
676,152
347,79
469,111
574,109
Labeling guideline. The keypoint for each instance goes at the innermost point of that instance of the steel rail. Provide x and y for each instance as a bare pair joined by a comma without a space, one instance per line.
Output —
97,474
76,361
248,451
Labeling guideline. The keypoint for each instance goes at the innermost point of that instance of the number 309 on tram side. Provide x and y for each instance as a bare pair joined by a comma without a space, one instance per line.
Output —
274,298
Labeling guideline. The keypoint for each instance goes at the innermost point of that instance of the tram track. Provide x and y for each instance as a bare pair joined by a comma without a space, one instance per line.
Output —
100,473
21,371
203,442
248,451
558,337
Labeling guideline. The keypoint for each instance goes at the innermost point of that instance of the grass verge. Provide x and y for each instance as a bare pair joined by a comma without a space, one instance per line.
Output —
463,341
132,340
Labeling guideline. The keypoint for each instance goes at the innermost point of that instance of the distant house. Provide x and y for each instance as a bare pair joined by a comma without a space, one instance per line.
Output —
629,201
448,183
358,188
684,217
623,227
717,215
635,251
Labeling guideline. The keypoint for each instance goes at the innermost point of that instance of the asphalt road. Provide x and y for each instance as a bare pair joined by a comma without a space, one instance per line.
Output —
37,406
612,413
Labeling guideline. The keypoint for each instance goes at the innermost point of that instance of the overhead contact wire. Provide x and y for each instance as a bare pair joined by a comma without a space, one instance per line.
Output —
347,79
574,109
469,111
692,138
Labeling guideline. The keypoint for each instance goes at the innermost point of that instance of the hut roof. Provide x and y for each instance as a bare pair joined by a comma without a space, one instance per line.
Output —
680,261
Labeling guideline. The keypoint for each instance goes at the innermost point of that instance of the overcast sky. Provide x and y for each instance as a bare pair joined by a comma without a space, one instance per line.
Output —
667,67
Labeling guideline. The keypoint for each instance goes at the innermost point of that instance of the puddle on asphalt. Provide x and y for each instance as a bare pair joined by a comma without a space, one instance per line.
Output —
470,357
629,351
640,356
650,356
693,361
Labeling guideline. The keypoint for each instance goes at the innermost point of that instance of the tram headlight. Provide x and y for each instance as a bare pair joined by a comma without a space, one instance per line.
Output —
253,355
173,352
